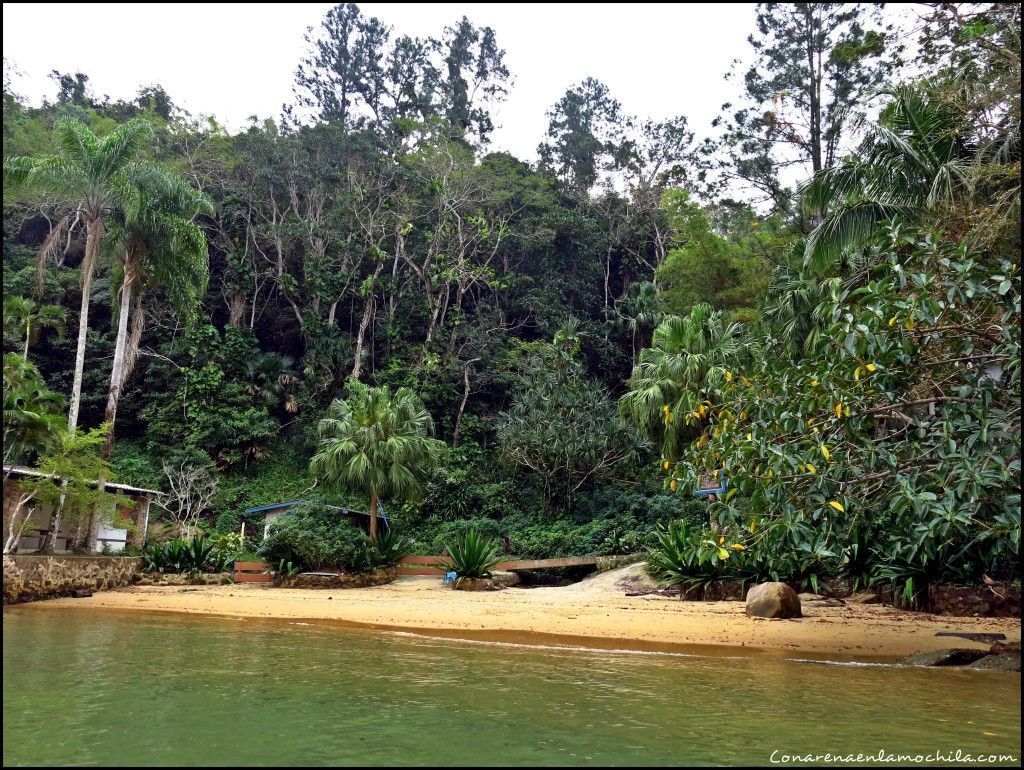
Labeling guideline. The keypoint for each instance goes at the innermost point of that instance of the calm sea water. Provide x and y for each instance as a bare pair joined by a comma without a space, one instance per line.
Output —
95,688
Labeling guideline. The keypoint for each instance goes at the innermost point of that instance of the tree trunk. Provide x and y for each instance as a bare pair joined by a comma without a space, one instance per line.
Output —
50,538
373,517
94,236
117,370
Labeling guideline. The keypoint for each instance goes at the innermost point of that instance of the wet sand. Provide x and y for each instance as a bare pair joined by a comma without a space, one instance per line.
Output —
594,612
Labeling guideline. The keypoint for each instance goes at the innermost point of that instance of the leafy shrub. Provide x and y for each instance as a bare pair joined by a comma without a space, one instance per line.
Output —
315,538
472,556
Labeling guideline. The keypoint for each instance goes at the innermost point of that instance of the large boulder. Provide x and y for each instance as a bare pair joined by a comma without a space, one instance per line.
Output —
773,600
1004,661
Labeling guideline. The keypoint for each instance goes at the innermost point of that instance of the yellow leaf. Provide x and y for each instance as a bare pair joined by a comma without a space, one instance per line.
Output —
910,324
721,540
846,411
723,554
728,376
872,367
738,547
743,415
825,453
750,437
856,373
811,468
753,526
839,409
814,383
665,464
892,321
837,505
672,485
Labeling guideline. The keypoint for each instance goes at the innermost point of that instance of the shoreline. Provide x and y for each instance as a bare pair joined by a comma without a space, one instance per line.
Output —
592,614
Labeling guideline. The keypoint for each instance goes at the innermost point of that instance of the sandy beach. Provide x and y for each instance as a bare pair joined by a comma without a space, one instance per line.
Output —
594,612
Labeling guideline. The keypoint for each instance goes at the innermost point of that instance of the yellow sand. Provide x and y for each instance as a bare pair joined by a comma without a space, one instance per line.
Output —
594,612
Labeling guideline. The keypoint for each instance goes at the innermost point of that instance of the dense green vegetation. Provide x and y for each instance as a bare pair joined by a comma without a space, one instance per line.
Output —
821,301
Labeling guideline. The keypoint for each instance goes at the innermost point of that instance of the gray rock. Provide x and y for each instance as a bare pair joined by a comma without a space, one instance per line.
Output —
773,600
959,656
82,593
1004,661
505,578
864,597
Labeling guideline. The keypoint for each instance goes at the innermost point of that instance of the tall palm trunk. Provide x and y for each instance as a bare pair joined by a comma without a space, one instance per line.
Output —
117,372
93,239
373,517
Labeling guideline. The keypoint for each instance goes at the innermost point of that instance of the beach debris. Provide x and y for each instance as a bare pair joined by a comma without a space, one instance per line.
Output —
82,593
972,636
773,600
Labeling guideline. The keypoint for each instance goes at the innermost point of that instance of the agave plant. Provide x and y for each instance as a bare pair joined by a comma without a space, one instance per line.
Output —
473,556
391,548
198,555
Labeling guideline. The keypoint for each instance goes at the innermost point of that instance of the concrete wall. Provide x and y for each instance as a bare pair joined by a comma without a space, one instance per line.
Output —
27,578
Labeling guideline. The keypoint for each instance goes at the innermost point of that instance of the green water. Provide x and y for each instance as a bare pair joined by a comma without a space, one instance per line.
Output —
90,688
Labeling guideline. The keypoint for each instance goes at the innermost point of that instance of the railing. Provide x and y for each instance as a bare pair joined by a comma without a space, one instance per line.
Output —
425,565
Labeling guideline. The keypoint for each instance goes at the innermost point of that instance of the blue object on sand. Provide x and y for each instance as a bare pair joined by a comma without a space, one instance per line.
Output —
450,577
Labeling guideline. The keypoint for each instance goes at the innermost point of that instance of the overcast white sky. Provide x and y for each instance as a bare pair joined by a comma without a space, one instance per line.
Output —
238,60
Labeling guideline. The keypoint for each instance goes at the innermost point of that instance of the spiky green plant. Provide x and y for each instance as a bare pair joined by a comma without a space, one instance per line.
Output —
473,556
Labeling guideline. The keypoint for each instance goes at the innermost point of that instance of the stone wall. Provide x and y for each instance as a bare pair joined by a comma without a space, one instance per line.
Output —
28,578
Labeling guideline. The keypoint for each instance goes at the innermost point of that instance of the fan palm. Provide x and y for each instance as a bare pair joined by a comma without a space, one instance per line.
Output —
25,318
916,157
377,442
96,176
688,359
161,247
640,309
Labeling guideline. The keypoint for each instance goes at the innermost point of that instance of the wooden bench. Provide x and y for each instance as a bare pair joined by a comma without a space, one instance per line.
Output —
252,572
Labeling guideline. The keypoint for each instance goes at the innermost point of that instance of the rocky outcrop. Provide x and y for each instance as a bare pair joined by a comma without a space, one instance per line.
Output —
476,584
339,580
28,578
1004,661
958,656
505,579
773,600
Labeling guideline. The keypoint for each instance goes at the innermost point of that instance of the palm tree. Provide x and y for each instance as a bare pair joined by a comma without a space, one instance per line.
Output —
689,358
913,160
272,380
377,442
25,318
162,246
97,177
639,310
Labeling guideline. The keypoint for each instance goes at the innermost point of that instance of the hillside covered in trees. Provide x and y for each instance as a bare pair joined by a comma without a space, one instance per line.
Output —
821,301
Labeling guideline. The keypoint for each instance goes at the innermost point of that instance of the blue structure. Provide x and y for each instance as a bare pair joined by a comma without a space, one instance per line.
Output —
723,486
271,511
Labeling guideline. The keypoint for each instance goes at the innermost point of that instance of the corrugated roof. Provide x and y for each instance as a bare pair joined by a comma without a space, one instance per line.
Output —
19,470
290,503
